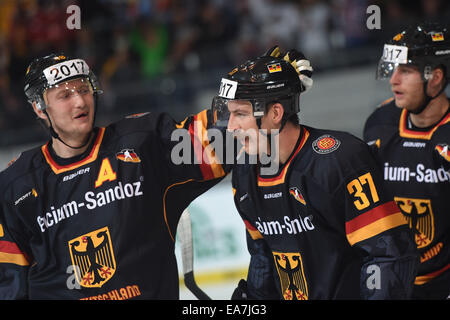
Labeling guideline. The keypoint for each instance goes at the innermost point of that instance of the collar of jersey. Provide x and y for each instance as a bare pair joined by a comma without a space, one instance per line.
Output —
279,179
92,156
414,134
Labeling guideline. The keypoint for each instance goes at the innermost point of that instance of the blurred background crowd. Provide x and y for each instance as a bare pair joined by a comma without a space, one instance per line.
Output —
156,55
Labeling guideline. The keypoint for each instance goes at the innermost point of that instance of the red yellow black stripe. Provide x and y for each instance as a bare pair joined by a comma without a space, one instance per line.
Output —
266,182
373,222
429,276
407,133
57,169
10,253
198,131
254,233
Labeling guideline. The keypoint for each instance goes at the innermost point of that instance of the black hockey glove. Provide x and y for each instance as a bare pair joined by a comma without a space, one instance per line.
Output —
240,293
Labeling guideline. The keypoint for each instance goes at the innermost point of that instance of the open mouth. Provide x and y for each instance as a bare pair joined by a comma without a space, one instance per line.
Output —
81,115
397,93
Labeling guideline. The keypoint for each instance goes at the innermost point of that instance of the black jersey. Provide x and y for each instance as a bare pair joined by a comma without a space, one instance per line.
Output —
102,225
416,164
322,227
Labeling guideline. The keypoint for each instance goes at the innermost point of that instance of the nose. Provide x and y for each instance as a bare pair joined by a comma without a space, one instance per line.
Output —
78,99
232,123
395,77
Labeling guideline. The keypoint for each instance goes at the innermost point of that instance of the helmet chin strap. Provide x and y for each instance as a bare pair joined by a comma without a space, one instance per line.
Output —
269,135
427,97
55,135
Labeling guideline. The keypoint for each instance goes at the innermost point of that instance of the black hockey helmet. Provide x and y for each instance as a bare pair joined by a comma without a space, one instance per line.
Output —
426,46
53,70
261,81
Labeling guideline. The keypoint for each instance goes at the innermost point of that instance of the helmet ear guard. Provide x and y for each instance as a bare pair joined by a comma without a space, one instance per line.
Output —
38,106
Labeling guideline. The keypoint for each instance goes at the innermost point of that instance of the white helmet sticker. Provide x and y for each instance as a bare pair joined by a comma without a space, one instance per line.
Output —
395,54
64,70
228,89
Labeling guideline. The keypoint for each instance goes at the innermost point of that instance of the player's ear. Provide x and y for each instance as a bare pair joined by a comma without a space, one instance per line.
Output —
276,113
39,111
436,81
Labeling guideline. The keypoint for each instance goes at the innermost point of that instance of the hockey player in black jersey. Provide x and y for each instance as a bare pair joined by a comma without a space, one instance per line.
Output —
92,214
410,133
321,225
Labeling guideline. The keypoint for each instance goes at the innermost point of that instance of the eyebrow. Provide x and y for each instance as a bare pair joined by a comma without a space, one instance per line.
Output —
408,66
240,109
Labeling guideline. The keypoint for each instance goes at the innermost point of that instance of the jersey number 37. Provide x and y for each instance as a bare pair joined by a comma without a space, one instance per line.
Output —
355,188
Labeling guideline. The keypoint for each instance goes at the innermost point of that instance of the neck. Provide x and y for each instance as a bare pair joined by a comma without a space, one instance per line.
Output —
288,139
64,151
434,111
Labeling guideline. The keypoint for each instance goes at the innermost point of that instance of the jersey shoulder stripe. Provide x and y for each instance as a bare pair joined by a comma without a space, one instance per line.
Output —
10,253
373,222
254,233
198,132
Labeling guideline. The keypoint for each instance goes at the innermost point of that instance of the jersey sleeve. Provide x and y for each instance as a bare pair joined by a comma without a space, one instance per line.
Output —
379,125
370,133
375,225
190,149
14,262
184,158
193,147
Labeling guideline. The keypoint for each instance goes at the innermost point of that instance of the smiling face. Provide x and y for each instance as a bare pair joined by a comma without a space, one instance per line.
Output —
70,106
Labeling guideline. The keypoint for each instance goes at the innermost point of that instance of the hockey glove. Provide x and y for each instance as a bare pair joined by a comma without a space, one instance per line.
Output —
240,293
303,67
